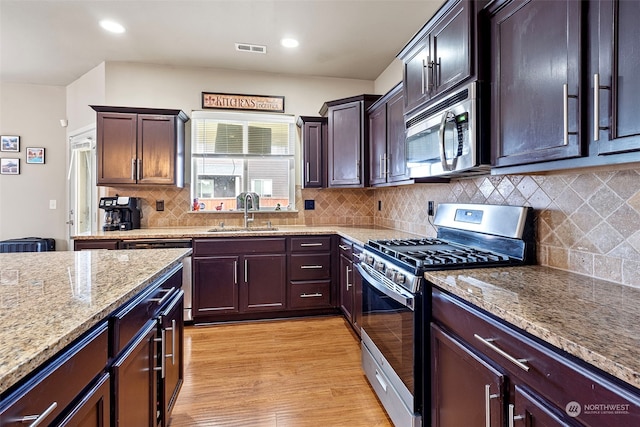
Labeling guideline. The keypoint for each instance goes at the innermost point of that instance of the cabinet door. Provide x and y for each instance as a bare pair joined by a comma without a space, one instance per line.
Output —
116,148
215,285
313,142
396,136
531,410
536,52
619,86
450,41
171,324
416,71
345,280
135,385
156,149
378,145
94,408
264,284
461,379
345,145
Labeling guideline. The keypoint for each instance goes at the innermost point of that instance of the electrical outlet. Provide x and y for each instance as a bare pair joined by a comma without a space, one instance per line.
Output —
53,204
159,205
379,205
309,205
430,208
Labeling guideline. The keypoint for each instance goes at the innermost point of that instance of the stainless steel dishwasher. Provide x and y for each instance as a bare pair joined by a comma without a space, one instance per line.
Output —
186,264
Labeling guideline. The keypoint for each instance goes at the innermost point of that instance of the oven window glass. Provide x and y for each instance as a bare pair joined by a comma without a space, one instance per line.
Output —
391,327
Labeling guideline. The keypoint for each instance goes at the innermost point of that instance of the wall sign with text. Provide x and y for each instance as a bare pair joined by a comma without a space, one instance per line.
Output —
234,101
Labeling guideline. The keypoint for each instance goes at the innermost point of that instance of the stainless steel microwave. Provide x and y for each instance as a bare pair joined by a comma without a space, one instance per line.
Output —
444,138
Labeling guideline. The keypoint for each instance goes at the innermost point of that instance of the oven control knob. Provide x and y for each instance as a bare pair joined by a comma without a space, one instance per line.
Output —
400,279
368,259
379,266
390,273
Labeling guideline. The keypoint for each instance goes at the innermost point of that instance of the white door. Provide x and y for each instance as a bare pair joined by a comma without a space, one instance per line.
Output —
83,203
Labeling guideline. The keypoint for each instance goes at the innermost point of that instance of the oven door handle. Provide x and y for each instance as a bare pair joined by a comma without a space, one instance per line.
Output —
404,298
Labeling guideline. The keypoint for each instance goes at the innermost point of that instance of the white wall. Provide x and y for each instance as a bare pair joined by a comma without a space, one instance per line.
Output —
389,78
144,85
87,90
33,112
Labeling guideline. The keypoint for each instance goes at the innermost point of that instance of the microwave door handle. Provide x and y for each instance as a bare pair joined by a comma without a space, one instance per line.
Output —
443,128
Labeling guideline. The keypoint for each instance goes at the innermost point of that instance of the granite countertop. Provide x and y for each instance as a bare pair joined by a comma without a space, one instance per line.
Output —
48,299
357,234
592,319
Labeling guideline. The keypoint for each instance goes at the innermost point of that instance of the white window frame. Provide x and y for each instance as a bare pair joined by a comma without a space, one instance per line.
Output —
244,118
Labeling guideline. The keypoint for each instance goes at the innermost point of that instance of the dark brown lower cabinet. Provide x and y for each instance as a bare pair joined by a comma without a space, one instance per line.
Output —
171,375
487,372
461,379
135,388
94,409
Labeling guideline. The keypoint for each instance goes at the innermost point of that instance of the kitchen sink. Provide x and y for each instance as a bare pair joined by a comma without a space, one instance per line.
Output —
240,229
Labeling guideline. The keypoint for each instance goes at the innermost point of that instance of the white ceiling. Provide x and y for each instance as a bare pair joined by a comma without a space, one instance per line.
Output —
53,42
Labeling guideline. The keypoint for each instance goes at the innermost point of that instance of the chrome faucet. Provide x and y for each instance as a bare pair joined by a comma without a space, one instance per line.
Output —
247,220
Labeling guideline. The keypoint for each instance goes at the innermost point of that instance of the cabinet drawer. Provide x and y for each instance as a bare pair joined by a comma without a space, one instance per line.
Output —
309,295
126,322
206,247
311,244
558,377
58,384
309,266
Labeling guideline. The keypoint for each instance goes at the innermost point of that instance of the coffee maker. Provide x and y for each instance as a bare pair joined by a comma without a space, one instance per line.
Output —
121,213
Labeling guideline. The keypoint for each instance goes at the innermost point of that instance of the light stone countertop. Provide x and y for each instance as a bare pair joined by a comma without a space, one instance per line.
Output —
48,299
357,234
594,320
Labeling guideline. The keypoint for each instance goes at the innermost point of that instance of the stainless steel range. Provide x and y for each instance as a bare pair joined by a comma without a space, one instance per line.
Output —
395,314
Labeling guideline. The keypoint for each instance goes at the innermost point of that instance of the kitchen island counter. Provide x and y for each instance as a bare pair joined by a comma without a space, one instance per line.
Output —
591,319
357,234
49,299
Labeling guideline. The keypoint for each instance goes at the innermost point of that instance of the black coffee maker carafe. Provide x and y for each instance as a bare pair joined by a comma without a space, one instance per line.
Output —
121,213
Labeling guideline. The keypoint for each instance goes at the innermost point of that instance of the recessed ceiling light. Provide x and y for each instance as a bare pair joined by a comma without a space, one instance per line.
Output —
112,26
288,42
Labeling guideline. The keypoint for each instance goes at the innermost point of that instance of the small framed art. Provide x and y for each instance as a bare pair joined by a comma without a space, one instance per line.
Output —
9,166
10,143
35,155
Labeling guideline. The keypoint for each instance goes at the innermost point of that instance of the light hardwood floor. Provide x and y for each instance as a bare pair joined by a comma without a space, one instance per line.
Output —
282,373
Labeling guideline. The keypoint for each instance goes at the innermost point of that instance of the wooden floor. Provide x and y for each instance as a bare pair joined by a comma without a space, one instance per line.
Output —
284,373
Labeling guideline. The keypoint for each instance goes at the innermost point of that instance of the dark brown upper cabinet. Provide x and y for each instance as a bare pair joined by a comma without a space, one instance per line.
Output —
387,163
140,146
615,61
442,54
347,142
535,76
314,151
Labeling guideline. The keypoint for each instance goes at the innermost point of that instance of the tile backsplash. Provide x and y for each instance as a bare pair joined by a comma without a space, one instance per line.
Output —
585,222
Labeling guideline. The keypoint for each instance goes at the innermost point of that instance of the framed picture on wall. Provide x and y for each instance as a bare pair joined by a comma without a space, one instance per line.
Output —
10,143
35,155
9,166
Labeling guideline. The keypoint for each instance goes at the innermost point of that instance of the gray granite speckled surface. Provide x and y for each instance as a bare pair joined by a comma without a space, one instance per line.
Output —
594,320
48,299
358,234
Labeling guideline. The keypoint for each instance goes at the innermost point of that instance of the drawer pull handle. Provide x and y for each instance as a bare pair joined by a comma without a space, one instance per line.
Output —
381,381
163,352
306,245
311,267
520,363
316,295
173,342
344,248
487,404
512,417
37,419
166,295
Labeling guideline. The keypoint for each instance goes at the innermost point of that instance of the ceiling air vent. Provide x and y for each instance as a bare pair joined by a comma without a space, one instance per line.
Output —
255,48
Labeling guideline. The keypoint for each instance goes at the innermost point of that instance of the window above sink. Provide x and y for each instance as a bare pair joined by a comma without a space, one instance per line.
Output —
233,153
